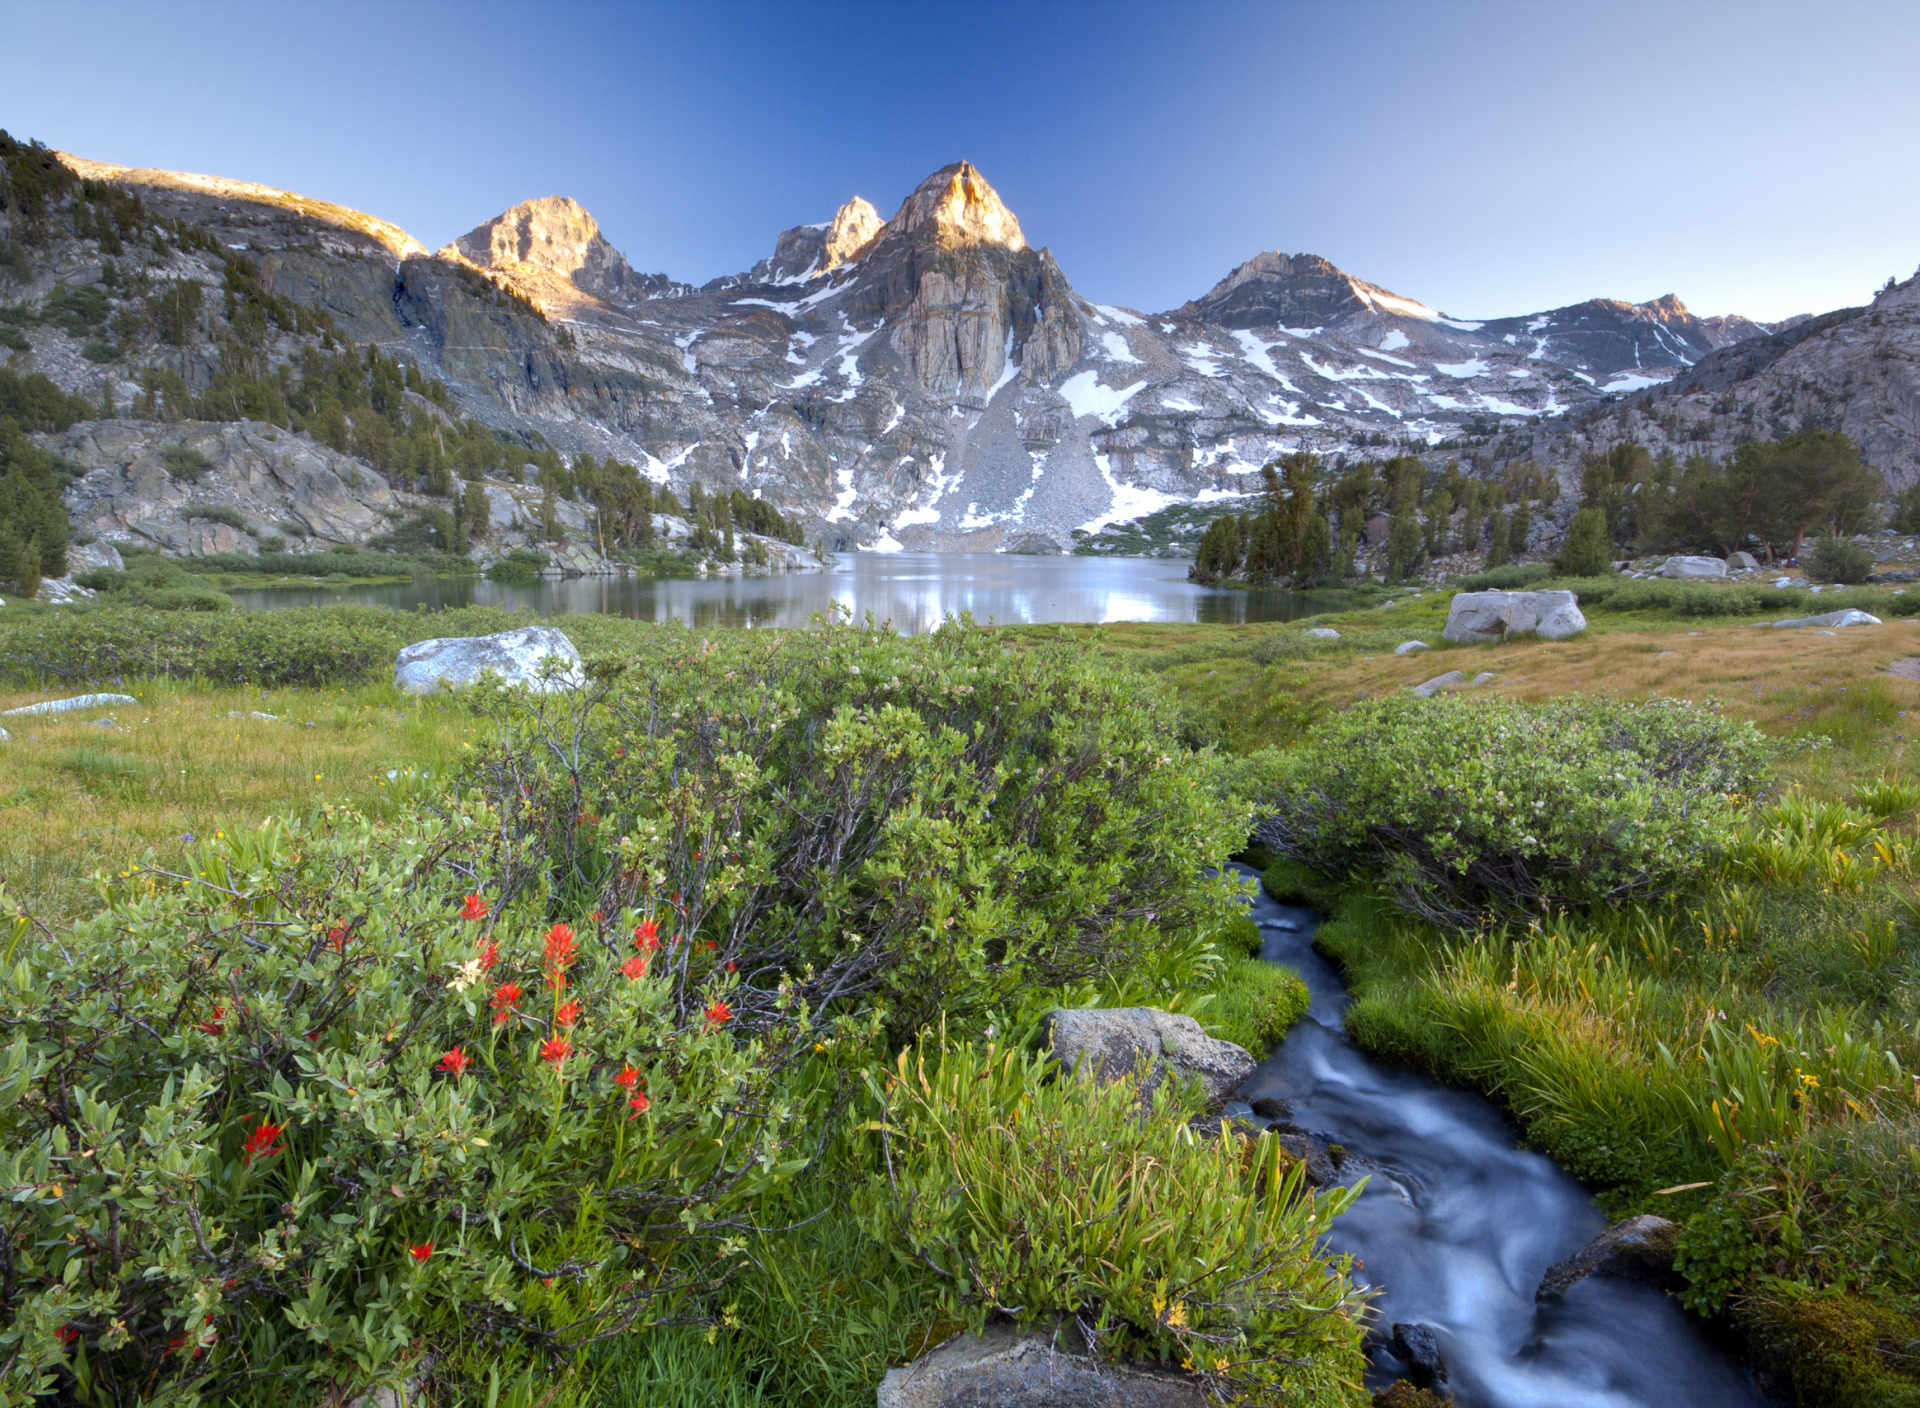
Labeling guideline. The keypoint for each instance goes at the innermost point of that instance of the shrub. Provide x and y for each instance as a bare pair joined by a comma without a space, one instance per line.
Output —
298,1111
185,463
520,565
296,646
1051,1199
1837,559
1462,805
1508,578
216,513
1255,1004
987,820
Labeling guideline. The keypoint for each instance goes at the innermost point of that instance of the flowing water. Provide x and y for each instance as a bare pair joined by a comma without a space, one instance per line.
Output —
914,590
1458,1224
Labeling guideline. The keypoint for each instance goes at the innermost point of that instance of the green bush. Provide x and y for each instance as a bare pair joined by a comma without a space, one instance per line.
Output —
1837,559
1459,806
1508,578
383,1116
303,564
185,463
1587,551
216,513
302,646
520,565
989,820
1049,1199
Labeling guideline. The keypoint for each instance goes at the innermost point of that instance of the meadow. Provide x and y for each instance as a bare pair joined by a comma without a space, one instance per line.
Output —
1735,1052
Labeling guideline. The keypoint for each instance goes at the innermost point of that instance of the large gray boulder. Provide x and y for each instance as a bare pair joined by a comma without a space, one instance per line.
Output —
1832,618
1697,569
1474,617
1009,1367
1639,1249
537,657
1106,1044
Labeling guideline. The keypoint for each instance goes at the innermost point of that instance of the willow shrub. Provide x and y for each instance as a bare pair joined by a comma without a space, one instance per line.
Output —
928,825
311,1106
1050,1200
1465,806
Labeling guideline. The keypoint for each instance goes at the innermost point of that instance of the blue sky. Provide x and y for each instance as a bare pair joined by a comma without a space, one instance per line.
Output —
1486,158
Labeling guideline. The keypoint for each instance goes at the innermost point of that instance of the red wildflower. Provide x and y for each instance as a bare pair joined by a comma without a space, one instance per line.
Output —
421,1252
627,1078
559,955
475,908
597,916
635,967
489,955
706,945
456,1061
504,999
215,1026
555,1050
647,936
567,1013
67,1334
264,1141
337,936
729,965
719,1013
639,1104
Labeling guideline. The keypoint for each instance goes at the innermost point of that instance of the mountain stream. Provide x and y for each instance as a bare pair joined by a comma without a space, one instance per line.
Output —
1457,1225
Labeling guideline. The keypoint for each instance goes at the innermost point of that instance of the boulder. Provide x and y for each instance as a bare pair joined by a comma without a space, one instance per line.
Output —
1742,561
1111,1043
1272,1107
4,735
1407,647
1321,633
1438,683
1012,1367
1694,568
1474,617
1832,618
78,701
1639,1249
517,657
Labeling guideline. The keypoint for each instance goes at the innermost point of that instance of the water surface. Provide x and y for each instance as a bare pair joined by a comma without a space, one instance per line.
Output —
914,590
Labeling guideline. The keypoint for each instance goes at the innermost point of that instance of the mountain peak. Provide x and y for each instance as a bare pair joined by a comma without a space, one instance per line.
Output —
853,224
555,235
956,207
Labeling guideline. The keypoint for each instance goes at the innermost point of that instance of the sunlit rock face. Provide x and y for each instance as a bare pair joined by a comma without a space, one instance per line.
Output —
555,235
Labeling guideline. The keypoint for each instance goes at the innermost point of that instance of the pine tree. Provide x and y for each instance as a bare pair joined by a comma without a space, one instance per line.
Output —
1499,543
1588,551
1519,526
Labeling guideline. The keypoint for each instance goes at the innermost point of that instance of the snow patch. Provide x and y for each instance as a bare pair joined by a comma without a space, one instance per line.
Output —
659,470
1382,356
1087,397
1117,348
1394,340
1631,381
1256,352
1201,358
1473,366
1129,500
908,517
1122,316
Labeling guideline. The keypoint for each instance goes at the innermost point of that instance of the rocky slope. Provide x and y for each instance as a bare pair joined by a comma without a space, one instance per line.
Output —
931,380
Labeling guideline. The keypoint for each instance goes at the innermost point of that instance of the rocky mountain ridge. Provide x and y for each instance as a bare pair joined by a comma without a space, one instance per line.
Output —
927,381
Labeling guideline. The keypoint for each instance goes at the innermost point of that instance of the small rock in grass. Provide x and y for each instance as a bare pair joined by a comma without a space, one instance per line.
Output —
1407,647
1481,679
1105,1044
1694,568
1437,683
79,701
4,735
1848,617
1322,633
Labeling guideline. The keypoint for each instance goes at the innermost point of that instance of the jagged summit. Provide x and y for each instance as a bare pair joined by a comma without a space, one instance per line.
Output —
555,235
808,251
955,208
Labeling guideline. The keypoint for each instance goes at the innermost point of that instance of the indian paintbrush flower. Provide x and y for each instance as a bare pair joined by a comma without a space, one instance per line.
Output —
567,1013
456,1061
719,1013
554,1050
421,1252
475,908
263,1142
504,999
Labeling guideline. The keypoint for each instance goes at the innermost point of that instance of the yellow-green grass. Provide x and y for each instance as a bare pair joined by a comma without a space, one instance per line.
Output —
187,760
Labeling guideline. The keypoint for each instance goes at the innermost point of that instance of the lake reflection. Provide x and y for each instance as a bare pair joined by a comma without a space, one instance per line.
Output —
915,591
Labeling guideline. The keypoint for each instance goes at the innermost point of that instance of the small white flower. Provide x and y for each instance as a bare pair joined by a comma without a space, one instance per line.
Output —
466,975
